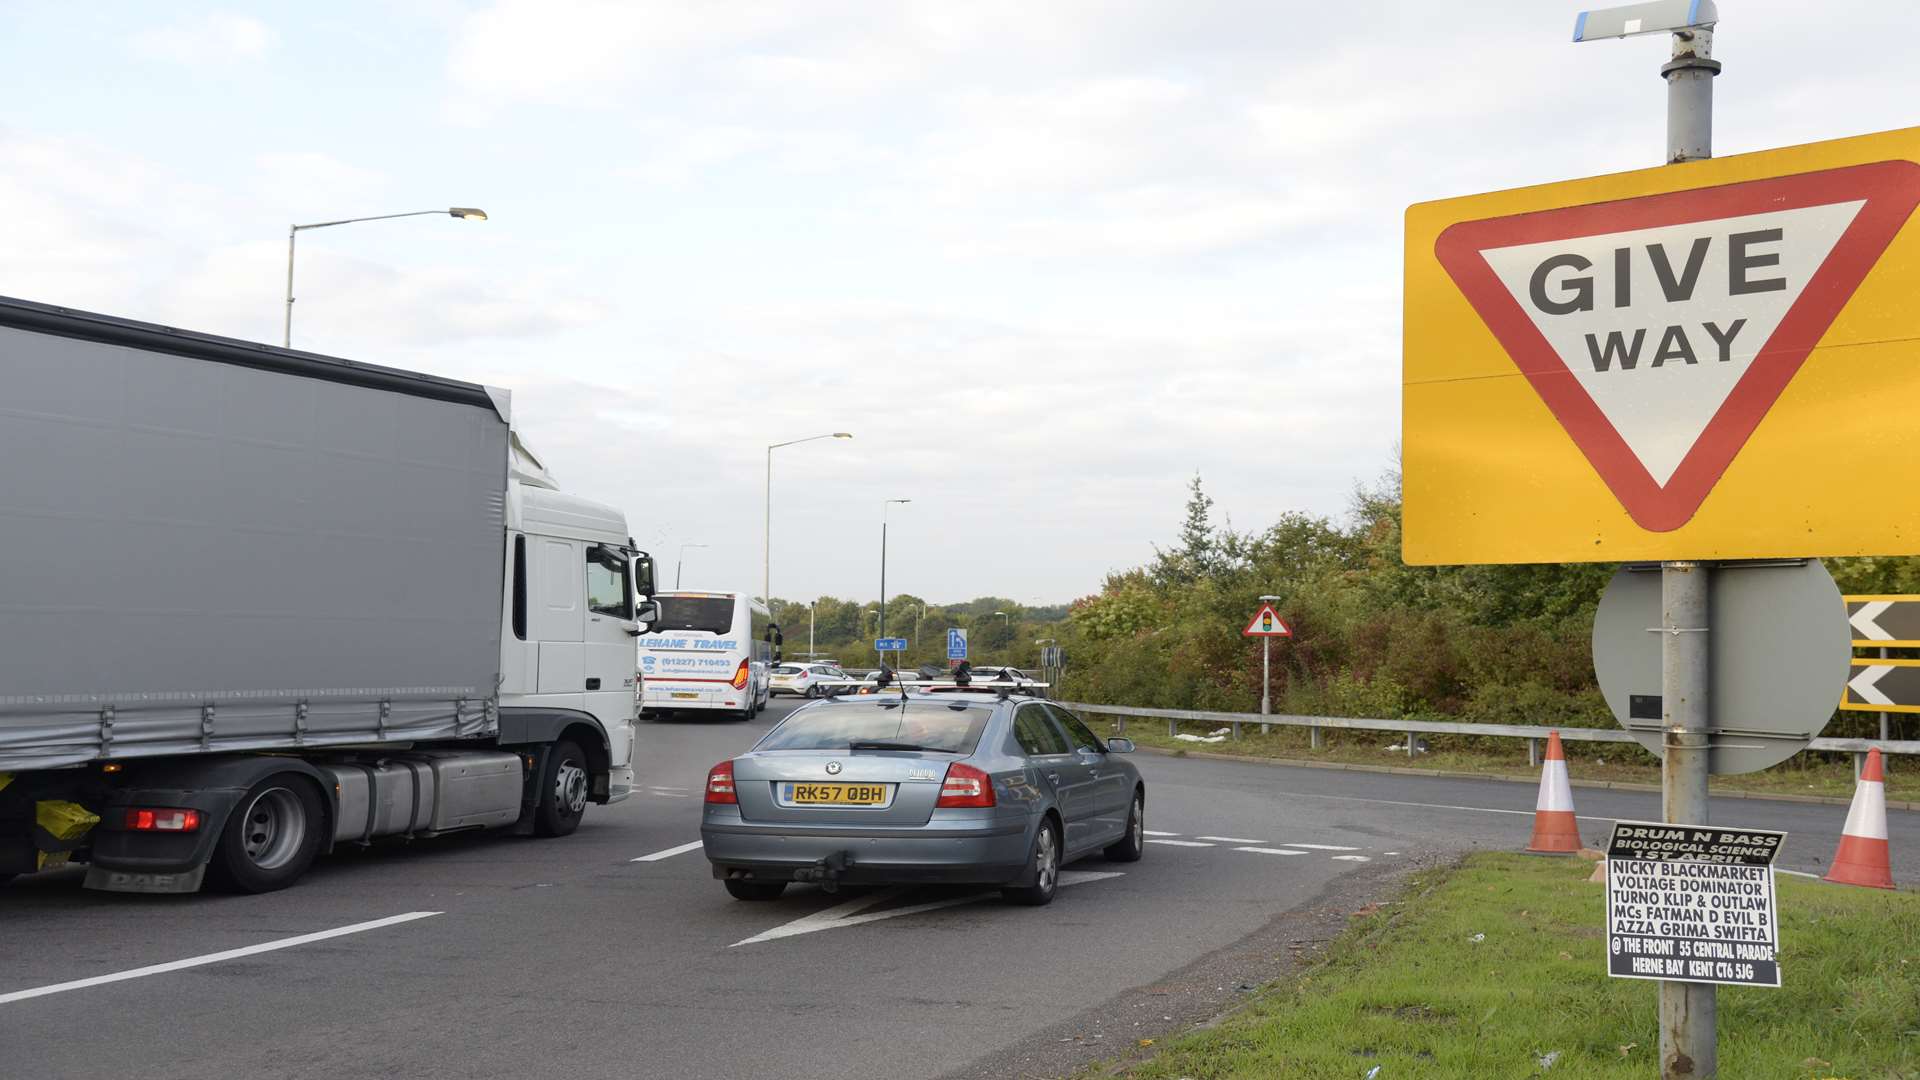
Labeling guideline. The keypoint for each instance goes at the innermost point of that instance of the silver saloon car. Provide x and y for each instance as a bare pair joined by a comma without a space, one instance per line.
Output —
968,787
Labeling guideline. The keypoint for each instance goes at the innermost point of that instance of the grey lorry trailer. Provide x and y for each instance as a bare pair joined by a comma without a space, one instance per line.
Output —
257,602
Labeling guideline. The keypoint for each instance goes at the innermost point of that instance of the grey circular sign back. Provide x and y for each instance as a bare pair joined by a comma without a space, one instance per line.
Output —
1780,651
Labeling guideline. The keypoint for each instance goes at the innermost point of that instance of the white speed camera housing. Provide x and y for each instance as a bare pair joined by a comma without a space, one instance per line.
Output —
1658,17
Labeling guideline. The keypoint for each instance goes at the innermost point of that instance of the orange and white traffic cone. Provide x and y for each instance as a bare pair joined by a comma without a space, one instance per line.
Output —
1862,858
1554,829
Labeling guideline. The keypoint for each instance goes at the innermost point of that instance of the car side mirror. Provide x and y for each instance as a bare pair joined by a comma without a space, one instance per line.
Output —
1119,744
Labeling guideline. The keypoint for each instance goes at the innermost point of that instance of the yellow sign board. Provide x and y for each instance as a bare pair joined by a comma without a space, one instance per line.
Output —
1713,360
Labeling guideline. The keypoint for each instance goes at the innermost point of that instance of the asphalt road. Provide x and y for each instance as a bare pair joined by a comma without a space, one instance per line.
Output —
569,957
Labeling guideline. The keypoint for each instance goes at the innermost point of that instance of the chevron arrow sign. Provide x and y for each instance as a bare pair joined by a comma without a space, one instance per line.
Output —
1885,620
1883,686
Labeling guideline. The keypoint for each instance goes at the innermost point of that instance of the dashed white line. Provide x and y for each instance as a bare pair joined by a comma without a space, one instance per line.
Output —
1150,832
1233,839
214,958
669,795
1351,858
1323,847
1270,850
668,853
1180,843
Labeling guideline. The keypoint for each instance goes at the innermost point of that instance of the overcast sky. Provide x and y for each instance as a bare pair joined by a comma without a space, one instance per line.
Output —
1044,259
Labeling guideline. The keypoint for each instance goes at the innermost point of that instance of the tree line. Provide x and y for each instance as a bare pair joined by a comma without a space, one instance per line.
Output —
844,630
1372,636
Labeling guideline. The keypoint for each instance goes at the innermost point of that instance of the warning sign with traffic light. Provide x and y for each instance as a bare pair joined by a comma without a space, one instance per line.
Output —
1266,623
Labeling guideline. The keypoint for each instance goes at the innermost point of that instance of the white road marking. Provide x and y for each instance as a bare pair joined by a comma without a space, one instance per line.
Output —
1391,853
1351,858
664,787
1795,873
213,958
1270,850
669,795
1151,832
854,912
668,853
1233,839
1180,843
1322,847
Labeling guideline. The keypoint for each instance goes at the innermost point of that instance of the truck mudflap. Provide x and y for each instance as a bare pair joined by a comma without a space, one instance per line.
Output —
185,881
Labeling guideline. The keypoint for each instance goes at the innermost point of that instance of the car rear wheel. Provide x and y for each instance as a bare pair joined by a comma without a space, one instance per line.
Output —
1130,846
1044,864
741,889
271,838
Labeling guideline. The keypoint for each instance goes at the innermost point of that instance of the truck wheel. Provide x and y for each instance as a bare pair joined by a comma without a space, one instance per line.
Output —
272,836
755,890
563,791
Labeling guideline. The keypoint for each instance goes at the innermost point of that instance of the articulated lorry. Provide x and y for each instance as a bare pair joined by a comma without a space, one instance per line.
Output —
256,603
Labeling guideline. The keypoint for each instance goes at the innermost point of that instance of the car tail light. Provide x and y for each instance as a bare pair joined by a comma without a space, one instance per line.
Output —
965,786
720,784
149,819
740,676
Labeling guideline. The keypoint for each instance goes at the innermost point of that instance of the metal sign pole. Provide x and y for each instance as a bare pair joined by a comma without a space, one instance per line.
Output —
1688,1038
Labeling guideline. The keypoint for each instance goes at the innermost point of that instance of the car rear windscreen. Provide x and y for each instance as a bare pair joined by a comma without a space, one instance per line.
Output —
712,614
786,669
951,728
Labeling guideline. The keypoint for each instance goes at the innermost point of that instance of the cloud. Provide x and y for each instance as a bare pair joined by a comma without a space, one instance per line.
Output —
217,37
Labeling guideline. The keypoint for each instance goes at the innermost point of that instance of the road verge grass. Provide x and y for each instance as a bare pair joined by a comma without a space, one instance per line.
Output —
1487,968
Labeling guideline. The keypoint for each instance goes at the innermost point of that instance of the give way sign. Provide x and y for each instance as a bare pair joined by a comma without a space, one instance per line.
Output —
1654,365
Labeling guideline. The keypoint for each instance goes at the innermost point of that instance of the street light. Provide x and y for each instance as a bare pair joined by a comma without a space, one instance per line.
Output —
1005,619
682,561
766,549
917,616
464,213
885,505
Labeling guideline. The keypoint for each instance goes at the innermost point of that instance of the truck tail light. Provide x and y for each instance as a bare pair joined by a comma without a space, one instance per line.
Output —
720,784
965,786
740,676
157,819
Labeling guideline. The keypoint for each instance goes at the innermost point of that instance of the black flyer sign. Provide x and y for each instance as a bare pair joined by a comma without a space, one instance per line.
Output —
1692,903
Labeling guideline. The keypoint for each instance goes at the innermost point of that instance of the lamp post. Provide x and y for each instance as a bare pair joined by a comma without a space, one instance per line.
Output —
682,561
885,505
766,550
811,654
464,213
917,616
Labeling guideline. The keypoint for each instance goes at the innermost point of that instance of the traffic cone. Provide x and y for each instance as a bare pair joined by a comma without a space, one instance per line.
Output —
1862,858
1555,832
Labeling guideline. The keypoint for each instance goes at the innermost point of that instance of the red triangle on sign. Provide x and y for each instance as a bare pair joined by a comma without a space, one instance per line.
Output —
1660,330
1266,623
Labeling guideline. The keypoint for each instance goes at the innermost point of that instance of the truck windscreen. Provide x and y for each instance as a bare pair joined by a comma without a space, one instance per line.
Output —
711,614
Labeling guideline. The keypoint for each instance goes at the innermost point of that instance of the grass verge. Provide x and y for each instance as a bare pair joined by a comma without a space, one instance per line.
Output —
1806,774
1409,989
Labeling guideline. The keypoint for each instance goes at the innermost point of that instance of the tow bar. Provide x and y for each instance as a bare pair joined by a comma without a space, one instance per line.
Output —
827,871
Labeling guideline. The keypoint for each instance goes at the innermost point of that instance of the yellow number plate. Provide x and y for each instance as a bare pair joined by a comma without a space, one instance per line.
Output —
686,695
836,794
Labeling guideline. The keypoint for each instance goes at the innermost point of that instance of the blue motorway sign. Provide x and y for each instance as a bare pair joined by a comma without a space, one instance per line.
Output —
889,644
957,643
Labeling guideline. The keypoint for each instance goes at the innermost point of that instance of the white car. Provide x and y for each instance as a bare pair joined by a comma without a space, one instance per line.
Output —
804,680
